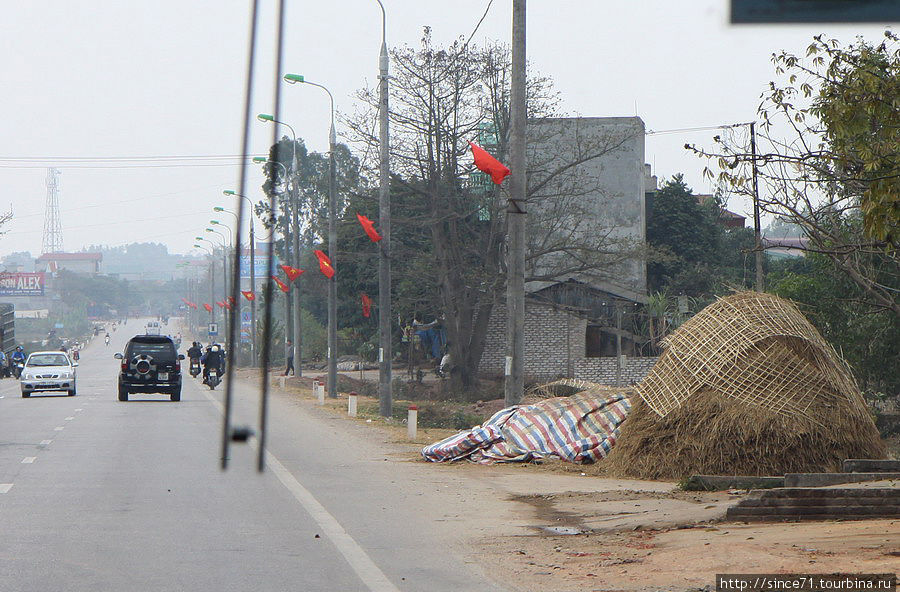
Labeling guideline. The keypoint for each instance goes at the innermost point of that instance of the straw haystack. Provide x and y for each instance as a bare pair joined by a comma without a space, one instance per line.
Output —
745,387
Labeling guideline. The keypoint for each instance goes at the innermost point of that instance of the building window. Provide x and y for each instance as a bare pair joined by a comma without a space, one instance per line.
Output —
598,343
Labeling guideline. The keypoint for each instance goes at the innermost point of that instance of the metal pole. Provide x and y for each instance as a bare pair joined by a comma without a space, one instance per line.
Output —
332,253
254,356
515,216
295,259
385,356
757,232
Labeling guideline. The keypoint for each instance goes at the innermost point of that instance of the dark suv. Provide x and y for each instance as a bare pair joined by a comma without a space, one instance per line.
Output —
151,364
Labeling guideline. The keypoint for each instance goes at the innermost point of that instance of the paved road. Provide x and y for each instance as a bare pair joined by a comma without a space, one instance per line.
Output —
101,495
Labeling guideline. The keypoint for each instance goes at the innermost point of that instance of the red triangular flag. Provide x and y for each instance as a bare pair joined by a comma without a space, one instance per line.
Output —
369,227
231,300
366,305
325,265
488,164
292,273
227,305
221,304
284,287
249,295
207,307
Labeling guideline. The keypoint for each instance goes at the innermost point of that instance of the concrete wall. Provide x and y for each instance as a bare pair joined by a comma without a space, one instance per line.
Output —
601,197
555,348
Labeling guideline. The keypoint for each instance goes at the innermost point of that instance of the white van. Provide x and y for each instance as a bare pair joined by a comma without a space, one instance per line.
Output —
153,328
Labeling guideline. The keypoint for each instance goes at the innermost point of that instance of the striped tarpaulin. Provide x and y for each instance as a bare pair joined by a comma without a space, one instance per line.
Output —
581,429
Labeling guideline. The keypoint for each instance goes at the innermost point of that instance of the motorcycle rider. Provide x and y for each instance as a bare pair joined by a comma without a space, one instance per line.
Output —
16,357
4,365
213,358
194,353
107,340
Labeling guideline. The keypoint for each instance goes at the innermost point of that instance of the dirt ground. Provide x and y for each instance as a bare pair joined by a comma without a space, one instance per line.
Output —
567,530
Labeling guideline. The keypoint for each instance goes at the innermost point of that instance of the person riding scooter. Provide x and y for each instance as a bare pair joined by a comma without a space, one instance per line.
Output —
18,361
214,358
107,339
194,353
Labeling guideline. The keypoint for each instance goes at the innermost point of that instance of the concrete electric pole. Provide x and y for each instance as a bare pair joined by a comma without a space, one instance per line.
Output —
515,216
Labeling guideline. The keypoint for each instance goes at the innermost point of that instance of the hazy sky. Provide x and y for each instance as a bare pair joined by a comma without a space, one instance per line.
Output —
166,78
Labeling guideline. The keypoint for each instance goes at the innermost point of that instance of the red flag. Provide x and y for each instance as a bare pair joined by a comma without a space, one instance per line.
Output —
231,300
292,273
369,227
249,295
366,305
488,164
325,264
227,305
185,300
284,287
207,307
221,304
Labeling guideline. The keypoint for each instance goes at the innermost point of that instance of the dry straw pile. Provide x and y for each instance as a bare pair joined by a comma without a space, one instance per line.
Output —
745,387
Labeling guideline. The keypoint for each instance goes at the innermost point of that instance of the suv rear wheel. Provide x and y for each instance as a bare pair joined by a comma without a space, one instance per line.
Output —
175,396
123,393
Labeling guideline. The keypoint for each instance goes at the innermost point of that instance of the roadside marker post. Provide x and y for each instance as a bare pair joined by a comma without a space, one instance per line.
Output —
412,419
351,404
320,392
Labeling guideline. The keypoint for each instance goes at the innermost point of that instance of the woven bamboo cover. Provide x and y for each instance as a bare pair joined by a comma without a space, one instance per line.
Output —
753,347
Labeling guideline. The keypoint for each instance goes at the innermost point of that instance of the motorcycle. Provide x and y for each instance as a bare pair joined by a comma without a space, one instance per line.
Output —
107,341
213,380
18,367
195,367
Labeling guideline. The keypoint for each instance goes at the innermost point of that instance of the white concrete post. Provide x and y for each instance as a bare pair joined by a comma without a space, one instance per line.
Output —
351,404
412,419
320,393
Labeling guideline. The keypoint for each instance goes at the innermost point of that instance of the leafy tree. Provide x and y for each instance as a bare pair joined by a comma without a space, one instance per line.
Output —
685,237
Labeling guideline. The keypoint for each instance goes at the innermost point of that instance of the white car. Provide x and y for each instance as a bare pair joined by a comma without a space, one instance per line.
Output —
48,371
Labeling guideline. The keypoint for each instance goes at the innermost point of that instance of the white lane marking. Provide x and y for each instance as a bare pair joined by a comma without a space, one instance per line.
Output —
46,442
28,460
70,418
5,487
359,560
77,410
58,428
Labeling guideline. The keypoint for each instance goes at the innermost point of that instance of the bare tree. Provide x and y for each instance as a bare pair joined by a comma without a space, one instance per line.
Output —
441,99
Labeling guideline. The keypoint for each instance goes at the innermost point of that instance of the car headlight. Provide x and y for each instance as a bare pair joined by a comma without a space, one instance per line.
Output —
27,376
65,375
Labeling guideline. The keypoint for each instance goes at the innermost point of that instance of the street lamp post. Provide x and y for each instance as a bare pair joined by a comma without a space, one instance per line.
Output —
224,246
332,240
253,352
385,355
212,277
295,236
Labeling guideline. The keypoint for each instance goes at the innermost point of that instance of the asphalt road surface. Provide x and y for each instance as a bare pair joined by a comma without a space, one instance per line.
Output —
97,495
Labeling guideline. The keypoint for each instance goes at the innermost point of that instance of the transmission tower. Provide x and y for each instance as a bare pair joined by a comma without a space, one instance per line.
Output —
52,242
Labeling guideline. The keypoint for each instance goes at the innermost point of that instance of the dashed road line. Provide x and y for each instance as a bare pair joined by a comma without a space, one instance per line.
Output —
365,569
77,410
28,460
5,487
58,429
70,418
46,442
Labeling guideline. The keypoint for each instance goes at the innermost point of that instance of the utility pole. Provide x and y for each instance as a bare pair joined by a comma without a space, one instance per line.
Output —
295,259
385,356
332,253
757,232
515,217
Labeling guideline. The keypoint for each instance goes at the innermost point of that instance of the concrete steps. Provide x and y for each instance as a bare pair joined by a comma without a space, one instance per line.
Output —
826,479
799,503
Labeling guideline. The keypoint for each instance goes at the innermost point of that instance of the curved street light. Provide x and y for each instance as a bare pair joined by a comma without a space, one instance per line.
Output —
292,252
332,238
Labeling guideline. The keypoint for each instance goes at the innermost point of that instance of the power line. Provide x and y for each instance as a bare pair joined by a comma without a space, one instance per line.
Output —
694,129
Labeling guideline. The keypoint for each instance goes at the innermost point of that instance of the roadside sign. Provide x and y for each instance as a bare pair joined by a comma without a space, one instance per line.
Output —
213,329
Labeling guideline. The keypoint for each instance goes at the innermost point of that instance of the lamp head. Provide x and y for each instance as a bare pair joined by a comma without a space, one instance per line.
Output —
215,222
229,191
199,238
265,117
293,78
210,230
260,159
218,209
